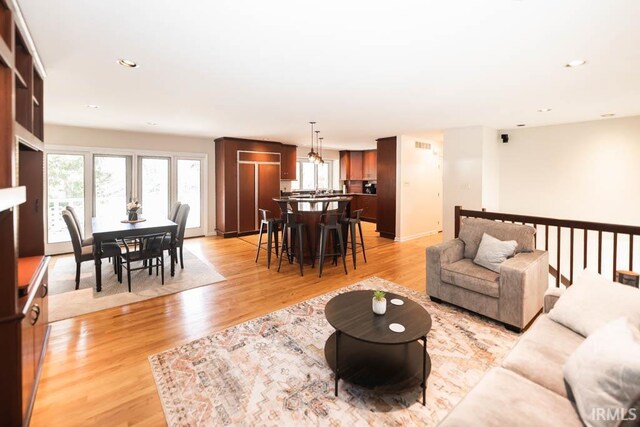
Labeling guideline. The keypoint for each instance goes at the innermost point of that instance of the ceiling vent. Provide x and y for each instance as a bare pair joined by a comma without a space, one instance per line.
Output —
423,145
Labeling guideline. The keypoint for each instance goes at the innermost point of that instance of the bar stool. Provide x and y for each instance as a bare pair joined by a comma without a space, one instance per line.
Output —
293,229
273,227
330,223
351,232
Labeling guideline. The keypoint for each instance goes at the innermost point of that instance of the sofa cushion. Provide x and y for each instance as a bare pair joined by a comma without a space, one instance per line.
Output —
472,229
541,353
465,274
493,252
593,301
604,372
504,398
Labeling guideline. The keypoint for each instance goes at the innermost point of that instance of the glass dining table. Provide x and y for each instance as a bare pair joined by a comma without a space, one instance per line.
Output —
113,229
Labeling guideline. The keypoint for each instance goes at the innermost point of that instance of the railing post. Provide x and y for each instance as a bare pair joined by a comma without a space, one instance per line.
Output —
456,211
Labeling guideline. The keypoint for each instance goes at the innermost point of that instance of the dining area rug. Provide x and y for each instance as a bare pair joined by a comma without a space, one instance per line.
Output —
272,370
65,301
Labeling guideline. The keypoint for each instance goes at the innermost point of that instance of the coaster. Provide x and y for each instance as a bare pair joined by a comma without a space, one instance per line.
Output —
397,301
396,327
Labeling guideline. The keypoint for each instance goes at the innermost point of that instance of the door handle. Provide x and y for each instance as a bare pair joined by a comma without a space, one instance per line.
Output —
35,314
37,203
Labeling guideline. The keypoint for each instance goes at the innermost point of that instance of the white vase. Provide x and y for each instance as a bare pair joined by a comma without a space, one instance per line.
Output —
379,306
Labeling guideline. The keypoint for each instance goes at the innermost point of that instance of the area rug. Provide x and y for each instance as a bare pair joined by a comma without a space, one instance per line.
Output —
65,301
271,371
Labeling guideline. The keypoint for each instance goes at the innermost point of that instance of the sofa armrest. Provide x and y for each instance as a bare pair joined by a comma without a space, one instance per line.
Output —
551,297
523,282
437,256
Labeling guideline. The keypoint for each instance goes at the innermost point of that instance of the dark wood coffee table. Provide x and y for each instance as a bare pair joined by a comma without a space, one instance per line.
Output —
364,351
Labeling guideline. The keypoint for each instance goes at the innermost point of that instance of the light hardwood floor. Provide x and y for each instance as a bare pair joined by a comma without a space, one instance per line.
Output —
96,370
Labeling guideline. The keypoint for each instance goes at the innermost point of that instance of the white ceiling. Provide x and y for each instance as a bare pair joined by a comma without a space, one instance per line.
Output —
361,69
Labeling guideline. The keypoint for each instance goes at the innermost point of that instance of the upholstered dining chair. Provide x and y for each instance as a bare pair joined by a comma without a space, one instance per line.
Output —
85,242
181,220
85,253
173,213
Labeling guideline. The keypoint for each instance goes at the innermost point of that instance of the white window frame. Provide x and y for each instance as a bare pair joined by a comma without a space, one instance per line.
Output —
89,152
315,174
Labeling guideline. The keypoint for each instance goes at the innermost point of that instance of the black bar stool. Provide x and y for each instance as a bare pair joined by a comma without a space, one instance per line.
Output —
330,223
351,223
273,227
293,229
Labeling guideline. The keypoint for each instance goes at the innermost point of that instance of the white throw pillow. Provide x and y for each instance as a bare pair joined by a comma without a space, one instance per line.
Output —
593,301
604,375
493,252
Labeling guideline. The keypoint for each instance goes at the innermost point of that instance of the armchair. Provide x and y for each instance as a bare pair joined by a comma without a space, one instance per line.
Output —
514,296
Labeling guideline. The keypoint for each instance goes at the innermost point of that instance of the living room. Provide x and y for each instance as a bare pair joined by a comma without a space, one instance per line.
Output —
278,214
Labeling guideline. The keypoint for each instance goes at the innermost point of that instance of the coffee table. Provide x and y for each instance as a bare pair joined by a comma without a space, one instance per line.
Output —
364,351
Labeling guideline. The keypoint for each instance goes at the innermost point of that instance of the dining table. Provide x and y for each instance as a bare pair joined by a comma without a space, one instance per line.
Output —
105,229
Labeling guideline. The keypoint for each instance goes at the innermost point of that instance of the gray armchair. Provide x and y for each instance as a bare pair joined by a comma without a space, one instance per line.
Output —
514,296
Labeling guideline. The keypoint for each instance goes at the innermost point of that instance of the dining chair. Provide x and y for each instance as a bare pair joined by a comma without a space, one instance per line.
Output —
150,250
85,242
173,213
85,253
181,220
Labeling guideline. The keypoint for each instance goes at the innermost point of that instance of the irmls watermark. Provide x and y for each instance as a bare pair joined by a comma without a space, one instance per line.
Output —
614,414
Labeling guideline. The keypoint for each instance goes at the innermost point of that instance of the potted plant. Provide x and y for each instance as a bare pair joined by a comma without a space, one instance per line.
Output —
132,210
379,302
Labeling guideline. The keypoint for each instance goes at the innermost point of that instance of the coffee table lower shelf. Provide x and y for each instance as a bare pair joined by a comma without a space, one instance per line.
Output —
383,368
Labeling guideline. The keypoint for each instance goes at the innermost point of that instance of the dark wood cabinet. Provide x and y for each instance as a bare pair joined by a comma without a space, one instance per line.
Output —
386,188
289,155
31,218
369,165
344,165
355,165
369,205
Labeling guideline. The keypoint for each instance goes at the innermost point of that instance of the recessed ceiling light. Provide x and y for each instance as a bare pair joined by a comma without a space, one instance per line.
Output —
94,106
607,115
544,110
575,63
521,125
127,63
152,123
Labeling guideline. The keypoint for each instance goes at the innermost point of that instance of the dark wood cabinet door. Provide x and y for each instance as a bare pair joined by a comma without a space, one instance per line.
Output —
28,357
344,165
288,160
31,224
370,166
268,188
247,209
42,324
355,165
386,189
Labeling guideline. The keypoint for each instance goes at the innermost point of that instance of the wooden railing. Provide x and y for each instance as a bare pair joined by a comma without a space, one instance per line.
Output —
560,227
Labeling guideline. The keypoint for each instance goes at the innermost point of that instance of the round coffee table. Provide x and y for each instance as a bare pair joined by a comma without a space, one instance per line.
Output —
364,351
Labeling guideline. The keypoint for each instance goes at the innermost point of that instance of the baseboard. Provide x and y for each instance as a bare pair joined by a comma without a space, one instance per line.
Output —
417,236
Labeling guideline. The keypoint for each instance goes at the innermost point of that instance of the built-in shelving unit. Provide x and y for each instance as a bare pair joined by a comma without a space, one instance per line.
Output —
24,327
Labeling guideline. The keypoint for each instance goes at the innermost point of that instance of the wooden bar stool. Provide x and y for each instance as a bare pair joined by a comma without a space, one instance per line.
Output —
273,227
292,230
330,223
351,223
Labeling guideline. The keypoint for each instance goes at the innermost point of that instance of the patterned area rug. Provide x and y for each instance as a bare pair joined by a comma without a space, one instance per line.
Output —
271,371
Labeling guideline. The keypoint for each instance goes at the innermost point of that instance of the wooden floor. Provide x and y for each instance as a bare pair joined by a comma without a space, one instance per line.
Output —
96,370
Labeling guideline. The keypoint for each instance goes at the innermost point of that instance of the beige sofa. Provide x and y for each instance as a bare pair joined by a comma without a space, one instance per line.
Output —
513,296
528,389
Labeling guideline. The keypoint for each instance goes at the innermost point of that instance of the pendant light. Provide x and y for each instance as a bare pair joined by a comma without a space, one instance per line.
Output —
320,151
317,158
311,155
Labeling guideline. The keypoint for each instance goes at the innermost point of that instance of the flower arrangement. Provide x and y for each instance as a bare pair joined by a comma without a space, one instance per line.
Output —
132,210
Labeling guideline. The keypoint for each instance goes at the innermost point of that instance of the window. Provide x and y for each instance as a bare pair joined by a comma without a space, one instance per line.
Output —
312,176
111,185
154,187
65,187
189,189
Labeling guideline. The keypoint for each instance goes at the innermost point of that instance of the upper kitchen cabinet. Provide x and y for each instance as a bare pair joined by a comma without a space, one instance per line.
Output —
369,165
355,163
288,156
344,165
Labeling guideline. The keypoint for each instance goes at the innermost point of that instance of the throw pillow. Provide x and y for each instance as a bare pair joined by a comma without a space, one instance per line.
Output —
593,301
493,252
603,375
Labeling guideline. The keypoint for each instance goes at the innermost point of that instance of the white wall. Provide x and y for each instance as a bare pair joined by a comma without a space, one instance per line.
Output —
106,138
588,171
471,172
419,188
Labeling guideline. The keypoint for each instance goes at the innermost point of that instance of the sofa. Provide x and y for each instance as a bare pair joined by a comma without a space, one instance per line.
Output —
513,296
528,389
